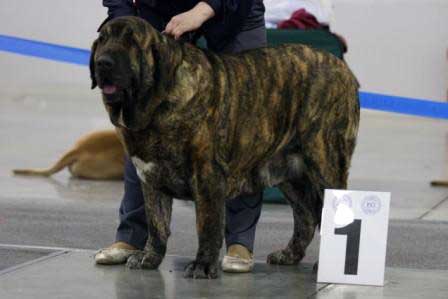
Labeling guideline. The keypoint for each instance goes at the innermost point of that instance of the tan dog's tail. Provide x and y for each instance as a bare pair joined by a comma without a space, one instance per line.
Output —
439,183
67,159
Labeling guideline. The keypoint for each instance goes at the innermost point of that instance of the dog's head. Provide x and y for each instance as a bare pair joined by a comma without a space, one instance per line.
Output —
127,64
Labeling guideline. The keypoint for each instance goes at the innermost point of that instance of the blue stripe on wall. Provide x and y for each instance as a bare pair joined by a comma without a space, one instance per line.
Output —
44,50
403,105
79,56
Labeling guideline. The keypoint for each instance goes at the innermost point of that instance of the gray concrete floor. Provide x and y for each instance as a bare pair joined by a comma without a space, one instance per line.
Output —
73,275
395,153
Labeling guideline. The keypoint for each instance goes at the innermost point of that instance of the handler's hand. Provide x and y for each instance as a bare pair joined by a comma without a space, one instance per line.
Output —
189,20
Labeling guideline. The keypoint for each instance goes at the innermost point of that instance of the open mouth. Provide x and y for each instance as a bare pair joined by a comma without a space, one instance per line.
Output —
109,89
112,93
113,98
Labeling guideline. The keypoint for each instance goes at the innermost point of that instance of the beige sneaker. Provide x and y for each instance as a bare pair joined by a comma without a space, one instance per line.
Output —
115,254
237,260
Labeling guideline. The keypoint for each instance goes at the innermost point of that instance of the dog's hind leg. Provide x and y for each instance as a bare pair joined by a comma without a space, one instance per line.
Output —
304,200
326,167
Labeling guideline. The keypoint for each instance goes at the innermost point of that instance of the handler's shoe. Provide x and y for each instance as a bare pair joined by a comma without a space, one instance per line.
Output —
115,254
237,260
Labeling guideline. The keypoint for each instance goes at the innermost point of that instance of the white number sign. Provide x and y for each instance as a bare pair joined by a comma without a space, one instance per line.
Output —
353,237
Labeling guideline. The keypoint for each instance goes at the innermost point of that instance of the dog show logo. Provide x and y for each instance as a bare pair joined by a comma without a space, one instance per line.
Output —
371,205
344,199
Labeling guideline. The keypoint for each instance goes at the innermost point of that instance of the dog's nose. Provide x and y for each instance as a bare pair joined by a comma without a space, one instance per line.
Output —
105,62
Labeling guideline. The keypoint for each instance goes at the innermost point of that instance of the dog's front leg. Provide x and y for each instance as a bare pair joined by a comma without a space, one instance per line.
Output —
209,202
158,208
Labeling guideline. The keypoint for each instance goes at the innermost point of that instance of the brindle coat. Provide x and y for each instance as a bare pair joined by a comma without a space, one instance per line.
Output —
210,127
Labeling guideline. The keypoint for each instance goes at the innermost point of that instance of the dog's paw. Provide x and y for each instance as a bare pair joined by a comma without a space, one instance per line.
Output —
283,257
201,270
143,260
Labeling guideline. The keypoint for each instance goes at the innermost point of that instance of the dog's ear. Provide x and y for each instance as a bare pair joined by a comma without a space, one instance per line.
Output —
166,54
92,64
157,65
158,57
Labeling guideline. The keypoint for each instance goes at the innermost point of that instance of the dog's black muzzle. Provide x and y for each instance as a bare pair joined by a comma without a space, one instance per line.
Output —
106,67
105,63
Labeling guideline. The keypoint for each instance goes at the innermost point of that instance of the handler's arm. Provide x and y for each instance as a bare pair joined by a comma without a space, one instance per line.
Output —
225,9
215,5
119,8
189,20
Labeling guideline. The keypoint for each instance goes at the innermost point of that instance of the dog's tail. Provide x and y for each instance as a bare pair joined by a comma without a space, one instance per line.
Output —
67,159
439,183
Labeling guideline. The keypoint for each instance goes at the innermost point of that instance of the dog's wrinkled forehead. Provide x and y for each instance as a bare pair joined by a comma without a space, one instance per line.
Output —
129,26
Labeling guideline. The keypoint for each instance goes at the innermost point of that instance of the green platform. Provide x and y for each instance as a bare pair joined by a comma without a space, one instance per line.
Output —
319,39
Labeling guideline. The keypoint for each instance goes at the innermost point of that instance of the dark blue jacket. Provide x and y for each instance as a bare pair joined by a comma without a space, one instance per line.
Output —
231,16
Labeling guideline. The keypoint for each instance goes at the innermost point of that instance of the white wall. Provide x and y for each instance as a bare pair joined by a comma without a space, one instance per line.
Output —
72,23
395,46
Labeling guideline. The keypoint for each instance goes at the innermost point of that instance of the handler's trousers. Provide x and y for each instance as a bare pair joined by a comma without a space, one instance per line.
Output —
242,213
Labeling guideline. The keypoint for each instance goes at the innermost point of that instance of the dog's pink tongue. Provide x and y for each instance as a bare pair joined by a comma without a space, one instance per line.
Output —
109,89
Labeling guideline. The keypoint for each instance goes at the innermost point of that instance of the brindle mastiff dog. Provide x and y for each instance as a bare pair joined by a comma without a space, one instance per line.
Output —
209,127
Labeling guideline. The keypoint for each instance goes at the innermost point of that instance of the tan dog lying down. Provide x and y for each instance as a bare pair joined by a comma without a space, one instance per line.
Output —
98,155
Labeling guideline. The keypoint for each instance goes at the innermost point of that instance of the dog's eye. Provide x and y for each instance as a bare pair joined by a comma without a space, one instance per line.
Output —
129,32
129,36
102,38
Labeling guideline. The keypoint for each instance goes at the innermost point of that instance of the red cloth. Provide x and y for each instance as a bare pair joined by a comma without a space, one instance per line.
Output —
300,19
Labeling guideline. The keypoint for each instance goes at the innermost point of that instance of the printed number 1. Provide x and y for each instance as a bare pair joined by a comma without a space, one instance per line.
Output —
353,232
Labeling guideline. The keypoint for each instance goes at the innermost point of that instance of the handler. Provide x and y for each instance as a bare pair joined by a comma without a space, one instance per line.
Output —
228,27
